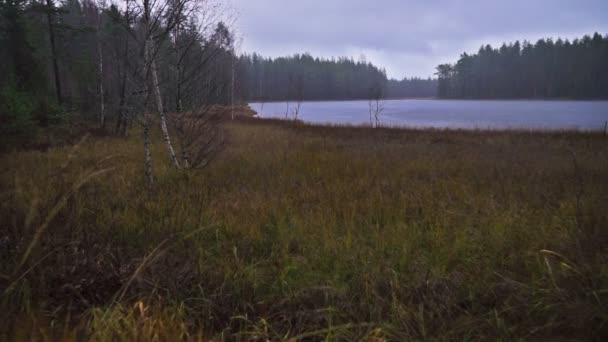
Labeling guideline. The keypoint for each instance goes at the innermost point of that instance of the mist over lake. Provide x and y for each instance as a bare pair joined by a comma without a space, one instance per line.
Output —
458,114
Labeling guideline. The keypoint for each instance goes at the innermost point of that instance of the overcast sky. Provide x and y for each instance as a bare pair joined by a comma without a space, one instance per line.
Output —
408,37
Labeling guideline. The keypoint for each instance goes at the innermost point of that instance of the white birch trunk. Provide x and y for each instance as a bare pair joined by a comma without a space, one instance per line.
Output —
159,105
146,124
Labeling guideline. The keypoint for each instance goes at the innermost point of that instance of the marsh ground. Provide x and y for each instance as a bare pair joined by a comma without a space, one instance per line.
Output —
310,232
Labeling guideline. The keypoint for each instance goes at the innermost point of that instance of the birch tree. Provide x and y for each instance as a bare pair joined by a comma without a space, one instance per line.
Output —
156,18
153,13
202,45
198,39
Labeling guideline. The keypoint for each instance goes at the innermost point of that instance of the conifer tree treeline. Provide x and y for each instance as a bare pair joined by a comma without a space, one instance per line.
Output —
302,76
85,57
547,69
286,78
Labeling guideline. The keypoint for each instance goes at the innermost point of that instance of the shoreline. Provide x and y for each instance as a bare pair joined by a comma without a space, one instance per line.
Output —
443,99
405,128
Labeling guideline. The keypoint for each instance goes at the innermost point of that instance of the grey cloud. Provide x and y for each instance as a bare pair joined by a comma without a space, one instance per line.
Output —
430,32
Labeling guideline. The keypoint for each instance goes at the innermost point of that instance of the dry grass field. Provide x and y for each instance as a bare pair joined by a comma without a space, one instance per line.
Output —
300,232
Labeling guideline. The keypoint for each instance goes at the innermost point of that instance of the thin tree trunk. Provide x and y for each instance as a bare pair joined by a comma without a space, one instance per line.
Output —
178,91
147,152
102,109
122,116
159,105
180,130
49,16
121,122
232,88
178,99
185,154
371,121
147,60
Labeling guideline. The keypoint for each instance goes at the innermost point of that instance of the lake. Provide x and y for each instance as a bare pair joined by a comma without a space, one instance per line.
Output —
463,114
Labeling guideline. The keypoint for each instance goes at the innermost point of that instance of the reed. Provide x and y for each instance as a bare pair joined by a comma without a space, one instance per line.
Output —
310,232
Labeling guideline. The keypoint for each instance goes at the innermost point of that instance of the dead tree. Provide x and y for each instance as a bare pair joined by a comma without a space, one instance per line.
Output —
299,96
288,94
375,104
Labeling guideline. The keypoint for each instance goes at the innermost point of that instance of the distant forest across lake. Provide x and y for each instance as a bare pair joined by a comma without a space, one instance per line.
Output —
90,60
304,77
547,69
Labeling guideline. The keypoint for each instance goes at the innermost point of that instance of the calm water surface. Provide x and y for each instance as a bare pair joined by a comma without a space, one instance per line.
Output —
581,115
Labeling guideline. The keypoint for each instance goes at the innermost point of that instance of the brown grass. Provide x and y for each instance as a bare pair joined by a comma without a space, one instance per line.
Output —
309,232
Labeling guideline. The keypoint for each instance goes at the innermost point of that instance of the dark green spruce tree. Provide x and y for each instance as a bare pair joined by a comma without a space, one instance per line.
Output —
547,69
